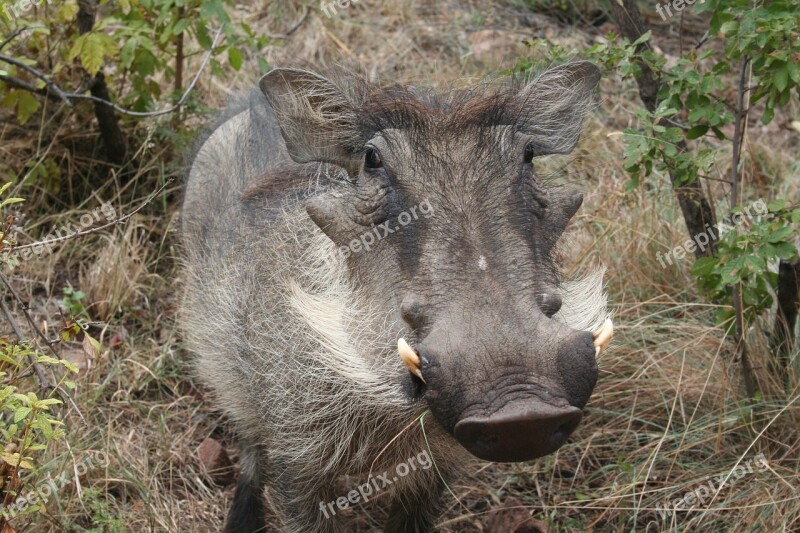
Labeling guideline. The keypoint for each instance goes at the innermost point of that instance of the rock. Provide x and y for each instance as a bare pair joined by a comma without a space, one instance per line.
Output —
215,461
513,517
493,46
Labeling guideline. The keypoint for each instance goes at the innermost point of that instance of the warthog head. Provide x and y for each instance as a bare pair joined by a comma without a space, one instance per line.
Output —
446,226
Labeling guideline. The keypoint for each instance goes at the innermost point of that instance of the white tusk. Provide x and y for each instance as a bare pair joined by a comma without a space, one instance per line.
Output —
410,358
603,336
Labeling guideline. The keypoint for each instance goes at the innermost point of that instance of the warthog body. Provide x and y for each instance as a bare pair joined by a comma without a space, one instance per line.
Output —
330,219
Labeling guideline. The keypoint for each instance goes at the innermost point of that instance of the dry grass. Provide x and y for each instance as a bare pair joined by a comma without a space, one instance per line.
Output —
667,414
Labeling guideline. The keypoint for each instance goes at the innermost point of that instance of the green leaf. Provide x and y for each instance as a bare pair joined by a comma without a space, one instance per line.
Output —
92,49
202,35
21,413
781,234
643,39
235,58
70,366
786,251
9,201
14,459
777,205
27,105
794,71
48,401
697,132
769,114
181,26
46,359
781,78
721,68
128,51
21,397
729,28
704,266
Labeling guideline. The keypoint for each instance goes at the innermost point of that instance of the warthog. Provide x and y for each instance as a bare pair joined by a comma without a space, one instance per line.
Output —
371,275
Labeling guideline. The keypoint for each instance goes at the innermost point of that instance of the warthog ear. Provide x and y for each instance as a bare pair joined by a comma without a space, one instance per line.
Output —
551,107
314,115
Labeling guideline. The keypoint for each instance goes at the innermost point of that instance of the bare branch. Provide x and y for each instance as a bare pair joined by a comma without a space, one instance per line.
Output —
13,36
25,86
39,74
44,383
83,233
293,27
24,306
702,40
740,127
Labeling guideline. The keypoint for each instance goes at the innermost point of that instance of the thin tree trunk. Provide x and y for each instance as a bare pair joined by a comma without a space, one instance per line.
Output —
786,318
697,212
740,126
179,60
113,139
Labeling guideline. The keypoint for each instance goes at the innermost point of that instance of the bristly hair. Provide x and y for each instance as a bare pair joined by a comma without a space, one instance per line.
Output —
549,106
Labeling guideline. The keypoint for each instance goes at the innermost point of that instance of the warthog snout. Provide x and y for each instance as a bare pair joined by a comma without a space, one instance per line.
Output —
506,393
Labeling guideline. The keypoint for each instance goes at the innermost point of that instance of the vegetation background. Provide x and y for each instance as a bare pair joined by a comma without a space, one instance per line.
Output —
698,114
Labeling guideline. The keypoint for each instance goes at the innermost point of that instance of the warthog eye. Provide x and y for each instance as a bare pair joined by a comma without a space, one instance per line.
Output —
372,159
529,153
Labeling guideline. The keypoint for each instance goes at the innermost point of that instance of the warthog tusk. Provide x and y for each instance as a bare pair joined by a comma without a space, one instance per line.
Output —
410,358
603,336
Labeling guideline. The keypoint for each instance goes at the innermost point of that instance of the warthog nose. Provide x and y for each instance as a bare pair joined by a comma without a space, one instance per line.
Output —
520,432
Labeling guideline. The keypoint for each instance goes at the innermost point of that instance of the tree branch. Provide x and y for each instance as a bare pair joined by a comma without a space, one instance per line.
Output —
16,33
44,383
68,98
38,74
24,306
83,233
748,377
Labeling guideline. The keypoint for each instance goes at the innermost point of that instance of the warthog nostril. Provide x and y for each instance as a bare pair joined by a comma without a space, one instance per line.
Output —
521,431
564,430
549,302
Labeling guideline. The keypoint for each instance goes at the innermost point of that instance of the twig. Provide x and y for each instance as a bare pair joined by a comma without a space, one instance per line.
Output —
44,383
83,233
13,36
713,179
39,74
293,27
24,85
750,382
24,307
69,97
702,40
